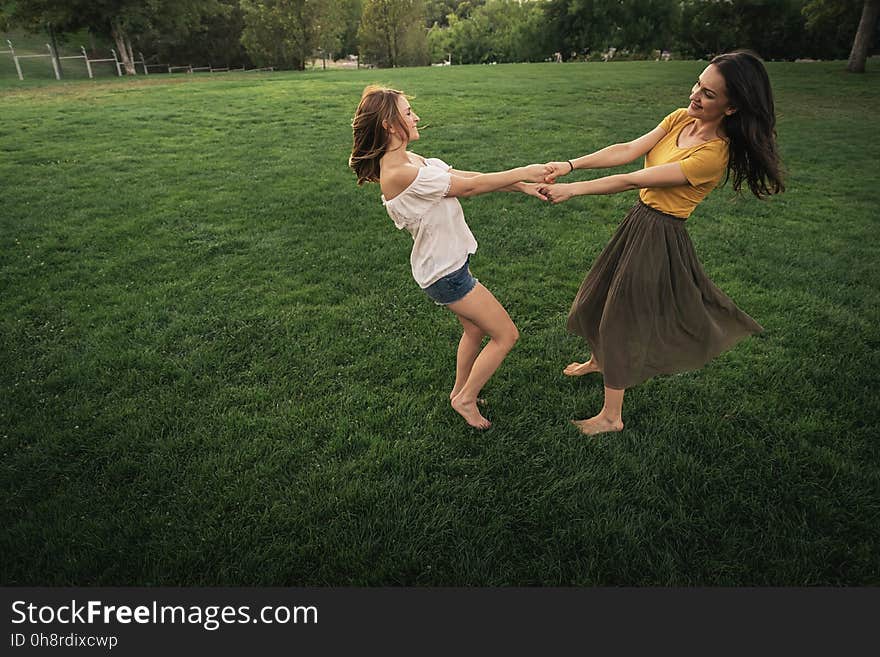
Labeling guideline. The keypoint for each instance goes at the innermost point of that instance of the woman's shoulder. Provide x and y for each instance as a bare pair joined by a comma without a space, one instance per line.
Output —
416,159
677,115
675,119
437,163
395,180
422,161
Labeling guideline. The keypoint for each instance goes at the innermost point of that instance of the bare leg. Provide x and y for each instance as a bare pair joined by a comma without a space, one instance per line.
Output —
579,369
481,308
468,350
609,418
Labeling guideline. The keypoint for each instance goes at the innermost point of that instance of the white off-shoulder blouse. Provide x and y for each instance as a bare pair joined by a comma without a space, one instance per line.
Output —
442,240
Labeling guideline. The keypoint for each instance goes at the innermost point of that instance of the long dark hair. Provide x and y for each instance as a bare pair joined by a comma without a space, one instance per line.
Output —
751,129
369,136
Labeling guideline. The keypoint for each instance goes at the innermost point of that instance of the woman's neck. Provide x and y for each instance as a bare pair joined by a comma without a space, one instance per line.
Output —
395,155
707,130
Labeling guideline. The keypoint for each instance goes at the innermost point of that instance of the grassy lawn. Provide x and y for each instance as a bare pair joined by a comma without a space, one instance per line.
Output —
215,367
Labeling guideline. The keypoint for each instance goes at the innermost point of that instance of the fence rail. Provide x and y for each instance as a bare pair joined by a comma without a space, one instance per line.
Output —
56,66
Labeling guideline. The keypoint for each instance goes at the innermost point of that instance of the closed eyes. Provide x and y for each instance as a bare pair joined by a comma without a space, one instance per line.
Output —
706,92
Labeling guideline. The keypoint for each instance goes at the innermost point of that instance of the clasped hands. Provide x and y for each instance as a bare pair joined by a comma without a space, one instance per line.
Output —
549,189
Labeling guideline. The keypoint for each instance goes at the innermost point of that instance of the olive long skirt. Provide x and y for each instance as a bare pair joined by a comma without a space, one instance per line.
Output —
647,306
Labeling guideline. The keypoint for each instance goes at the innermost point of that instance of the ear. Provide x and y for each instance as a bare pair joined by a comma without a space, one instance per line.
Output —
729,111
385,126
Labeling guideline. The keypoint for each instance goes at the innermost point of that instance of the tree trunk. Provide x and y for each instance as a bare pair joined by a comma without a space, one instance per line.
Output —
120,38
864,37
130,54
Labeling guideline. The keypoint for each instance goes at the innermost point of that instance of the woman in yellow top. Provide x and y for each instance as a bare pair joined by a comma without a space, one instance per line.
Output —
647,307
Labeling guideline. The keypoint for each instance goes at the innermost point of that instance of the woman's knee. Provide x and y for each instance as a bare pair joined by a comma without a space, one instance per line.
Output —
474,332
514,333
471,330
508,336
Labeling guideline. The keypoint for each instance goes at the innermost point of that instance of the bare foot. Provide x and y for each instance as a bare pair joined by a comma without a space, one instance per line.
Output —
579,369
468,410
480,400
598,424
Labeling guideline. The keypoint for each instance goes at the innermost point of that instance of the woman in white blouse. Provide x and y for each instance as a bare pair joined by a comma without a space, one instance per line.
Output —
420,195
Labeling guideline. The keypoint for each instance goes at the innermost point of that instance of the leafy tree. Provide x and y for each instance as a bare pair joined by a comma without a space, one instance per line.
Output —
122,20
578,25
637,25
775,29
339,26
497,31
864,36
832,26
350,12
708,27
287,33
4,17
437,12
466,39
392,32
648,25
216,39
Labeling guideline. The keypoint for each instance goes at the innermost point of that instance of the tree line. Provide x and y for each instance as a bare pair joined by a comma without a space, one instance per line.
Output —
388,33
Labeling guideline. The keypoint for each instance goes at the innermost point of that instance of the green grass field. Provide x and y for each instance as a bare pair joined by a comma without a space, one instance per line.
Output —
216,369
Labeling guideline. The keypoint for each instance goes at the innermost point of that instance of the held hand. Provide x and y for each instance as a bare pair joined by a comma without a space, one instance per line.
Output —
558,193
536,173
558,169
531,189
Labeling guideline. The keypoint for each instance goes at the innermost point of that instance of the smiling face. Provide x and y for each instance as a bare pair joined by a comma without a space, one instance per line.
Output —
408,118
709,101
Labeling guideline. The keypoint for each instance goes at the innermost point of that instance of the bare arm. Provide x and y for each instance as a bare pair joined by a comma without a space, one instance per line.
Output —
464,174
611,156
469,183
530,189
665,175
473,184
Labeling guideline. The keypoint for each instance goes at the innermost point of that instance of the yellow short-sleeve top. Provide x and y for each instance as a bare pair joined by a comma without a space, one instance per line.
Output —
703,165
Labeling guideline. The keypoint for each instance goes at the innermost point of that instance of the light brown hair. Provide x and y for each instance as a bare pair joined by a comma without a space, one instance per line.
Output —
369,137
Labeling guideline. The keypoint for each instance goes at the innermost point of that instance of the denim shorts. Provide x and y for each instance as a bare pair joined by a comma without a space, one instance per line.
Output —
452,287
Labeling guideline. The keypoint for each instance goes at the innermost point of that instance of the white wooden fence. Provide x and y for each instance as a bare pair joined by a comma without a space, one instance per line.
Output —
53,56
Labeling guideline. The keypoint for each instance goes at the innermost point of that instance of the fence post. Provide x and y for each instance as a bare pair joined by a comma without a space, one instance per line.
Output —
144,62
88,65
15,59
116,59
52,56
